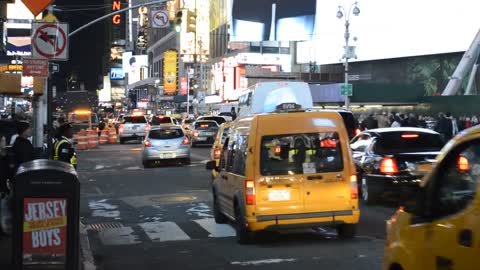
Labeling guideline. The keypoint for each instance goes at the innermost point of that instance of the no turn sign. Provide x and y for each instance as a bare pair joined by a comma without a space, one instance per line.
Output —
159,19
50,41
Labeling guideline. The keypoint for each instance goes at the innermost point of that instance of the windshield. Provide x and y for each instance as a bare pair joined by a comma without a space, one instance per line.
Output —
134,120
161,120
205,124
301,154
219,120
407,142
165,134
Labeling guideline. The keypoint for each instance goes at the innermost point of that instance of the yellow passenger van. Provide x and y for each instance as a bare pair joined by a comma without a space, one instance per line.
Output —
286,170
438,227
217,146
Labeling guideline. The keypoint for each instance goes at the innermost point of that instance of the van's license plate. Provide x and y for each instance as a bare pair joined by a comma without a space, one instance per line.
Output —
279,195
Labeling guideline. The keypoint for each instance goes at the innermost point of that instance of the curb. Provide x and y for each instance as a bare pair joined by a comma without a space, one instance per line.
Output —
86,257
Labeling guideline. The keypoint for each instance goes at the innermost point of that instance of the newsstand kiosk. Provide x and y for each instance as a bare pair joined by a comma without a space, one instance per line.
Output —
46,207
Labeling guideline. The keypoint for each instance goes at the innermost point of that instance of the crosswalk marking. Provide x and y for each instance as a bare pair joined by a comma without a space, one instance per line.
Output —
216,230
163,231
118,236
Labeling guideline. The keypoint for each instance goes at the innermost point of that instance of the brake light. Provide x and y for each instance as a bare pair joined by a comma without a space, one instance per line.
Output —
409,136
328,143
120,129
462,164
147,143
195,134
277,150
216,153
353,187
98,129
357,131
250,192
388,166
185,141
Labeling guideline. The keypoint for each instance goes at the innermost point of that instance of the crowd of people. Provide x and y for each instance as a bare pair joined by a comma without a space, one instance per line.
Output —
444,123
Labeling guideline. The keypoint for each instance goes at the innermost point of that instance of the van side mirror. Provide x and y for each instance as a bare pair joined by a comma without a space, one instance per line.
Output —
211,165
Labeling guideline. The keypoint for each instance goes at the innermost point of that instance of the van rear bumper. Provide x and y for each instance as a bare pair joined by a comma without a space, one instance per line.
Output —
303,220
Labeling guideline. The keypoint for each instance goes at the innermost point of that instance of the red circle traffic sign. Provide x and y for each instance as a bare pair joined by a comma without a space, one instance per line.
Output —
160,18
36,37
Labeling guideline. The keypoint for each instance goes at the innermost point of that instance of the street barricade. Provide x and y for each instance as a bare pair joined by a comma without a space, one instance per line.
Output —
82,138
46,200
92,139
112,135
103,137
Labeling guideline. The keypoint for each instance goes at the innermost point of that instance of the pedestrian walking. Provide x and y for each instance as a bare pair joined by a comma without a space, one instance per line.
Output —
370,122
444,126
63,149
454,124
383,120
22,148
397,120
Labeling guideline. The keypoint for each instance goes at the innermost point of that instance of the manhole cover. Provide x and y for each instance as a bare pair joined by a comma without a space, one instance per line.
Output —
173,198
103,226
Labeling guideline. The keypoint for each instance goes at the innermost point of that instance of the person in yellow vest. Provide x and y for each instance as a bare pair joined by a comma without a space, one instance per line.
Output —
64,150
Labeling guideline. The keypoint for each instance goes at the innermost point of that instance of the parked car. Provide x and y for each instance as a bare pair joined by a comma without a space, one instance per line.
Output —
133,127
437,226
203,132
166,143
386,157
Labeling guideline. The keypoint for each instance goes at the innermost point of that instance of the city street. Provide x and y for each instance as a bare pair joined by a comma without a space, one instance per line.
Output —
161,217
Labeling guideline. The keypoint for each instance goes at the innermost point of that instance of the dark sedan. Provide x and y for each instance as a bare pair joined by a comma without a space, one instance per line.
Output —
386,157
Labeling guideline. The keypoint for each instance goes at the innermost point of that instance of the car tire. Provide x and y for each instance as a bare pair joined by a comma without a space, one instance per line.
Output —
369,194
244,236
121,141
146,164
186,161
193,145
219,217
346,231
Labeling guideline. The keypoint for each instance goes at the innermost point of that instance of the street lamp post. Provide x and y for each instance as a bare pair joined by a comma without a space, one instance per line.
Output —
349,51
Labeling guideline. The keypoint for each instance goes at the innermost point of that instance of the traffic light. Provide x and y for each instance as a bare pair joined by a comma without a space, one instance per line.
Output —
177,22
191,22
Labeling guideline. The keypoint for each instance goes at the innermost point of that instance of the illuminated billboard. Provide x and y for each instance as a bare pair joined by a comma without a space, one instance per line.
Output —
283,20
135,64
384,31
170,59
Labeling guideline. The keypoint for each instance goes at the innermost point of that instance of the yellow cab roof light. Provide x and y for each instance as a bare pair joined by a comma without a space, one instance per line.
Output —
137,114
82,112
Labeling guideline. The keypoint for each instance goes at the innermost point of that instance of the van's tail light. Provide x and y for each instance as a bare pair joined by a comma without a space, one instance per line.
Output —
357,131
185,141
353,187
120,129
462,164
388,166
277,150
250,192
216,153
147,143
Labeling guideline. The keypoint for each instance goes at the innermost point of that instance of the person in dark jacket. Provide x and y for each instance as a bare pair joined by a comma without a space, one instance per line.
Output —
22,147
63,149
370,122
444,127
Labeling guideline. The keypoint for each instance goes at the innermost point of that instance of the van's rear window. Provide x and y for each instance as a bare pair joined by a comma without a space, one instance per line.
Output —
301,154
405,142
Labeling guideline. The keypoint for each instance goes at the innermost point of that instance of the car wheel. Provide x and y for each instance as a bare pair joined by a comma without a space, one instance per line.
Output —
122,141
194,145
217,214
146,164
186,161
346,231
369,195
244,236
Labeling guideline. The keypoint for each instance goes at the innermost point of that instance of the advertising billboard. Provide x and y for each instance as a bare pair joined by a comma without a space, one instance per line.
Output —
170,59
44,230
283,20
135,64
116,73
126,56
19,41
383,31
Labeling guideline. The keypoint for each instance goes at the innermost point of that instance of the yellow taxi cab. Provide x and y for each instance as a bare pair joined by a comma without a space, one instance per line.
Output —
438,227
286,170
218,145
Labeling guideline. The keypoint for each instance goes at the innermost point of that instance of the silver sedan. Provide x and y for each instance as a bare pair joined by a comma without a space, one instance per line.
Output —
166,143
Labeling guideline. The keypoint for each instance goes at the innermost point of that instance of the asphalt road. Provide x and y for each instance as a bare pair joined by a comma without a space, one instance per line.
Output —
161,218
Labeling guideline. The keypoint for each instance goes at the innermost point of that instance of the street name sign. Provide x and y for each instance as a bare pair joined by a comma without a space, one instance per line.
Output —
50,41
35,67
346,90
37,6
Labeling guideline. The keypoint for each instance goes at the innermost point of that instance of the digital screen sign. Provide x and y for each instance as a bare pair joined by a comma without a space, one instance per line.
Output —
116,73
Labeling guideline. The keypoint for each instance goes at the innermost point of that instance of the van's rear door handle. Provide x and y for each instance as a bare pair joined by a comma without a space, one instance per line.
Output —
465,237
315,177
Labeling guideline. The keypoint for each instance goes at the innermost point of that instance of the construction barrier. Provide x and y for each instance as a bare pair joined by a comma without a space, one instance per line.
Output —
82,140
75,138
103,137
112,135
92,139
